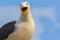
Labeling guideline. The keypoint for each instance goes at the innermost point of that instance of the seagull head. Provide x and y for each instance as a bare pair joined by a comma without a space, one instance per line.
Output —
24,7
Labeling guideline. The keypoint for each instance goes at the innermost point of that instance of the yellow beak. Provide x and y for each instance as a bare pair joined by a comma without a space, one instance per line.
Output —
24,10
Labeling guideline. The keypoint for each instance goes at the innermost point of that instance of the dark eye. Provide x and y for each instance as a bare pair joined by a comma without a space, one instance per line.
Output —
26,3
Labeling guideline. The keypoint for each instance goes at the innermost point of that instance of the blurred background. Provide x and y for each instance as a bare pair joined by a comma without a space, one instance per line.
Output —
46,14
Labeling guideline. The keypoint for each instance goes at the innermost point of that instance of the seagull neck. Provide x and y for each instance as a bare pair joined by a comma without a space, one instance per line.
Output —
26,17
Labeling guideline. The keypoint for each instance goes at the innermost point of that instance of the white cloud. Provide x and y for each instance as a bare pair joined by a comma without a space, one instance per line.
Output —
49,13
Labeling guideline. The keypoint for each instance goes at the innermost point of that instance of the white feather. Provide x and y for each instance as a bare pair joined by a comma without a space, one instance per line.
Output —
24,27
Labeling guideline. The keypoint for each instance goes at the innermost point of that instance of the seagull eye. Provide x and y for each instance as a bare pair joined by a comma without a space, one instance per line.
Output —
26,3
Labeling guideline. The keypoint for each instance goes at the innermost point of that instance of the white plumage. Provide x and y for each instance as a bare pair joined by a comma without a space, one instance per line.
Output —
24,27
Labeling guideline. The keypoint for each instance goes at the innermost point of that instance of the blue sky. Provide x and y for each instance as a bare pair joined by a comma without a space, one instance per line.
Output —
46,14
32,2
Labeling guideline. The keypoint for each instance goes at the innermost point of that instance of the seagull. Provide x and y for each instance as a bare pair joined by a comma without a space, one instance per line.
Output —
22,29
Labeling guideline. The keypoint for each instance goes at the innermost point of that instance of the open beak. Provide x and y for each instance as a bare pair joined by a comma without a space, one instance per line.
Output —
24,9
